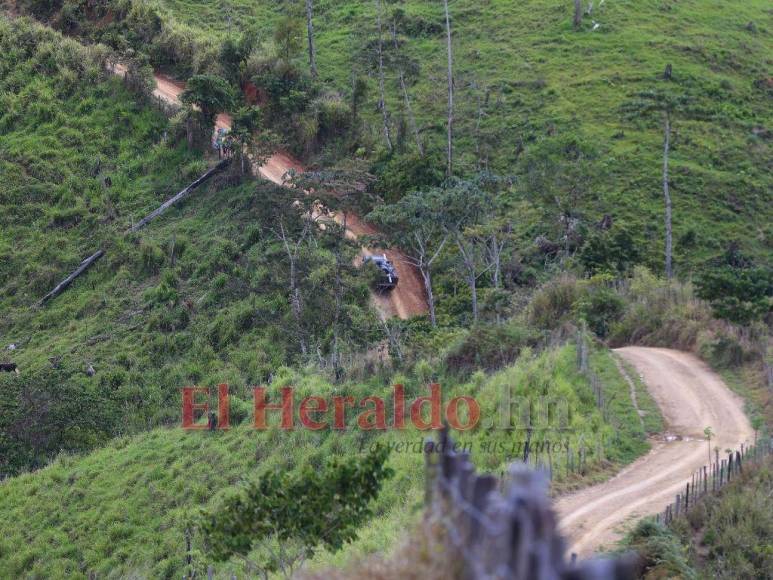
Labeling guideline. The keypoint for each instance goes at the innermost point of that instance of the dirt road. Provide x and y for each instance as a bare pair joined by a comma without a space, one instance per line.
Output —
691,397
406,300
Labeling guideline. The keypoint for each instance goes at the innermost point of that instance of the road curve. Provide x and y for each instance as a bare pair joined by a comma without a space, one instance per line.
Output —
691,397
406,300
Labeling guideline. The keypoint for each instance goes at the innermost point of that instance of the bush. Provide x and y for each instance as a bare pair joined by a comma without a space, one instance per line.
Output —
489,348
600,306
552,304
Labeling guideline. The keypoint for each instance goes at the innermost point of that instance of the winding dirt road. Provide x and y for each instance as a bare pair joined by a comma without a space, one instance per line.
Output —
407,299
691,397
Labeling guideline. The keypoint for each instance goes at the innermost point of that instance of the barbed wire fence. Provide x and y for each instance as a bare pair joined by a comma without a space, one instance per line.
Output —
504,529
711,479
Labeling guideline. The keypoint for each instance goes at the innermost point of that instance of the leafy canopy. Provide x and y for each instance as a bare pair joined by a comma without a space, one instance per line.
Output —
312,506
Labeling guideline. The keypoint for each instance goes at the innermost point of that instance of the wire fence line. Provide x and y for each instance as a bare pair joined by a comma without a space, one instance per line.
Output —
710,479
507,529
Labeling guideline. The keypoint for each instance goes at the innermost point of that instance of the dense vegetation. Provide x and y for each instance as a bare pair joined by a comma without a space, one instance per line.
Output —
198,297
125,508
549,230
723,537
531,93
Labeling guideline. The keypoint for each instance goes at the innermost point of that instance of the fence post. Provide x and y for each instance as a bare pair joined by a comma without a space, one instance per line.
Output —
687,498
705,480
430,470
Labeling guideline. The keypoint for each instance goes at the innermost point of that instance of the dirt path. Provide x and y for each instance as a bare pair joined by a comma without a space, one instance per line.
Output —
407,299
691,397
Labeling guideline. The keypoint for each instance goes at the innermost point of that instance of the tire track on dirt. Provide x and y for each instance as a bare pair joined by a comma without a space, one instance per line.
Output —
691,397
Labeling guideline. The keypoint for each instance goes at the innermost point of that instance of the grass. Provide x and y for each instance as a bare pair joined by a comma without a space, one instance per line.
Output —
543,81
123,509
724,536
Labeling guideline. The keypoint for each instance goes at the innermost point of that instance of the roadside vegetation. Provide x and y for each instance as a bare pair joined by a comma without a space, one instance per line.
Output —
725,536
540,242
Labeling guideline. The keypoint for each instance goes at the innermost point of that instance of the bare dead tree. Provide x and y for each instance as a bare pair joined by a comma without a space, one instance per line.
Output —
406,97
382,98
495,243
292,249
423,259
666,193
310,31
450,122
577,13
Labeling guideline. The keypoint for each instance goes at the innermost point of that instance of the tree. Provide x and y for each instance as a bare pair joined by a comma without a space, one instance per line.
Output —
310,34
577,14
468,204
450,120
234,53
254,142
667,193
737,289
558,175
297,512
414,224
708,433
287,38
666,104
209,94
382,97
406,97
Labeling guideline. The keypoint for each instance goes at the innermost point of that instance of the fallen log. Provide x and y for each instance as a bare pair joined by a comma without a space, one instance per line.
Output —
181,195
59,288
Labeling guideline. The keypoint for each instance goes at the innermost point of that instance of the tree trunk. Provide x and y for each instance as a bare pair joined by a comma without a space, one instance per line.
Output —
426,275
666,193
468,259
310,30
179,196
62,286
382,98
296,304
407,99
449,144
577,13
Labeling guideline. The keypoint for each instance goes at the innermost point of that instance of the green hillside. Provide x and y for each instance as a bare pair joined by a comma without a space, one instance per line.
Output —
558,156
198,297
527,85
123,510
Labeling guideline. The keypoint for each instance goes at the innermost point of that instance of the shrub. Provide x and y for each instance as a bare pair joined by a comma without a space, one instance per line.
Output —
553,303
600,306
489,348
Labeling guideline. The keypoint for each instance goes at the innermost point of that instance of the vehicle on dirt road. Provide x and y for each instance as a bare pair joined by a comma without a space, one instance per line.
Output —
387,278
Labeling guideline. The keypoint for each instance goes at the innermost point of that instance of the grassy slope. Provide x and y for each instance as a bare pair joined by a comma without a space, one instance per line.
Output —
197,296
547,80
124,508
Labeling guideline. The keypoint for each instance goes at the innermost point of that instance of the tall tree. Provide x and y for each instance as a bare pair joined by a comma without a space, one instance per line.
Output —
667,193
253,141
467,204
406,97
382,97
206,95
667,104
310,33
414,224
450,120
577,13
